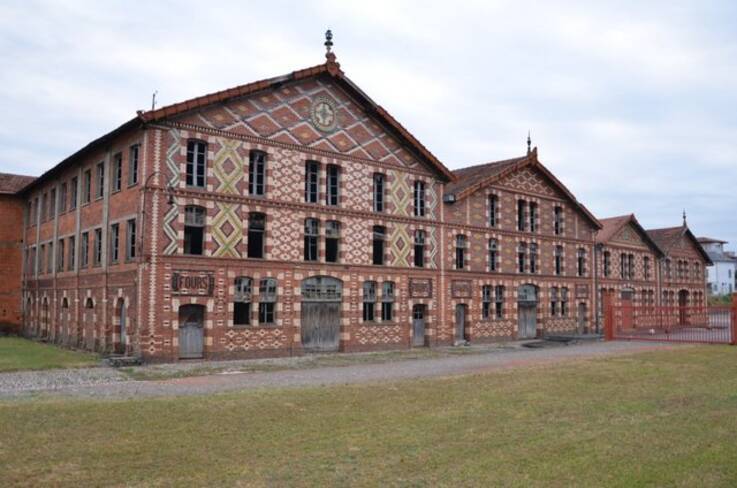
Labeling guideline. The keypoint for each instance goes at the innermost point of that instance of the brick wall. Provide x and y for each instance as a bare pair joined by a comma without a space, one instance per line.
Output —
11,208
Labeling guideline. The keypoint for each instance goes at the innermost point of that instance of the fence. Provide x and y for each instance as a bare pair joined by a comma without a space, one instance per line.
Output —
709,325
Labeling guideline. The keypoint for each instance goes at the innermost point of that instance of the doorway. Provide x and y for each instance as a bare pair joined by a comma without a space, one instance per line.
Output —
418,325
682,307
122,325
627,309
582,325
321,301
527,312
191,331
460,323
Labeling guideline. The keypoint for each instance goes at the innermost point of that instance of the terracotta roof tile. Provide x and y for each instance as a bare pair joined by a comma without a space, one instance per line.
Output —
612,225
10,183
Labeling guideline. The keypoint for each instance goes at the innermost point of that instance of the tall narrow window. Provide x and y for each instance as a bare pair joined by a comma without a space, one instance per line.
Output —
564,302
196,164
332,241
257,173
379,235
581,262
266,301
558,220
460,251
419,198
499,301
63,198
52,204
387,301
72,253
73,194
485,302
130,245
97,256
100,188
60,255
312,233
44,207
133,164
420,248
50,257
87,186
84,250
117,180
312,181
521,257
333,189
521,215
558,256
242,301
369,301
41,257
256,229
533,258
378,192
493,255
631,263
607,263
553,301
623,266
194,230
533,217
493,210
114,242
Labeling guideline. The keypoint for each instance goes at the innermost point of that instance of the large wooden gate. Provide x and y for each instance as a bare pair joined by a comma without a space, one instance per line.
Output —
191,331
321,302
526,312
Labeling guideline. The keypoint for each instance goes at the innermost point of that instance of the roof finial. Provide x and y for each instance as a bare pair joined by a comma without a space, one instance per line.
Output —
328,41
684,218
529,143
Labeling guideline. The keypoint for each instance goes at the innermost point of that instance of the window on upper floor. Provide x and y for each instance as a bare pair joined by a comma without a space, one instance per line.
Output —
256,237
72,253
44,207
312,182
460,251
558,220
533,258
257,174
379,192
196,170
63,197
312,234
420,248
117,179
581,262
419,194
533,217
87,186
493,255
73,193
84,250
607,264
130,244
332,241
332,196
133,153
558,260
493,210
52,204
379,236
242,301
521,257
194,229
60,255
114,243
97,254
100,186
521,215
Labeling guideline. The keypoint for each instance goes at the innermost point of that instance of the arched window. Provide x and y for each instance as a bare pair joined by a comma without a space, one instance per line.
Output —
194,229
267,301
242,301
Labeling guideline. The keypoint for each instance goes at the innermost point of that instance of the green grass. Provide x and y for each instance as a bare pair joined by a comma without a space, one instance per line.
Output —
17,354
666,418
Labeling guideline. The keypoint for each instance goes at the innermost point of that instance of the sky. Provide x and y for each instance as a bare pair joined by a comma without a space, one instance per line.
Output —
633,105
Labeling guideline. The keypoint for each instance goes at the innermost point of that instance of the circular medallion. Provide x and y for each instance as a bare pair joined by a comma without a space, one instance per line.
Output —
323,114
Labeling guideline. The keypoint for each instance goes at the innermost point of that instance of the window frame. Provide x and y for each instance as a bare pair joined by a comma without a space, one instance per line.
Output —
379,190
419,198
257,161
332,185
196,164
195,217
312,181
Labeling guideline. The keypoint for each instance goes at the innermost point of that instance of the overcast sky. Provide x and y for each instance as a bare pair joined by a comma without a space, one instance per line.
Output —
633,107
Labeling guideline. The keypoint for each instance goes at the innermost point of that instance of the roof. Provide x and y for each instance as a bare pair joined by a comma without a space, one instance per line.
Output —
665,239
329,68
709,240
472,178
612,225
11,184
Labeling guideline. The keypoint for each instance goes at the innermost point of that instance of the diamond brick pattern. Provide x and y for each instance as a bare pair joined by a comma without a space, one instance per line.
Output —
379,334
228,165
529,180
251,339
227,230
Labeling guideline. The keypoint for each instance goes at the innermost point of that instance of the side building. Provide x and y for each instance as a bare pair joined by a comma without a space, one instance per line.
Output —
722,275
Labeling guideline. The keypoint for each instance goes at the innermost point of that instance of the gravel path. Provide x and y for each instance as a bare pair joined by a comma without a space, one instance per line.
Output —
110,383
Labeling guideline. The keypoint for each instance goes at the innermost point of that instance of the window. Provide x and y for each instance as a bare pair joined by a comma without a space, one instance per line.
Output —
72,252
87,186
521,215
420,248
499,301
485,302
130,245
631,262
493,255
44,207
41,257
256,230
419,198
117,180
667,268
196,163
581,262
558,220
533,217
378,192
63,198
564,302
242,301
100,188
379,235
133,164
312,181
369,300
607,263
332,241
558,256
52,204
521,257
257,174
332,195
114,243
623,266
312,232
84,257
73,196
493,210
97,256
49,257
553,301
533,258
460,251
387,301
266,301
60,255
194,230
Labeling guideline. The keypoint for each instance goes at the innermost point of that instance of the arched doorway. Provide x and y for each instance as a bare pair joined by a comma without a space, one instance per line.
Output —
120,345
527,312
418,325
320,326
682,307
191,331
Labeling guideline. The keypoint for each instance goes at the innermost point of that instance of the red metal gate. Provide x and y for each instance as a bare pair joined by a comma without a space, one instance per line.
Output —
708,325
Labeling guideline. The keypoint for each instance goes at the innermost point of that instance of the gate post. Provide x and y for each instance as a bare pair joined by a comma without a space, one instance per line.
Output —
733,321
608,316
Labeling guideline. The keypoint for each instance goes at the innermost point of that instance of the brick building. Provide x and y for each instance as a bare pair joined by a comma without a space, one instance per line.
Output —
290,215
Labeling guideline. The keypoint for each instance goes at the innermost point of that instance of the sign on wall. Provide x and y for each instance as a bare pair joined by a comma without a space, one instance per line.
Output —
420,288
460,289
190,282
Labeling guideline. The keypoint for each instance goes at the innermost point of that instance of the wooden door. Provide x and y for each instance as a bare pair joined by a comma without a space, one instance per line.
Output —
460,323
418,325
320,326
191,331
582,318
527,321
627,310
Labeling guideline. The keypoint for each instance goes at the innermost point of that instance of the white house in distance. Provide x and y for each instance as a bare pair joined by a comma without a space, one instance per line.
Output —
722,276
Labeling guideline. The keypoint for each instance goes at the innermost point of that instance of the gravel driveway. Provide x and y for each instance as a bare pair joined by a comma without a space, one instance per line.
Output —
111,383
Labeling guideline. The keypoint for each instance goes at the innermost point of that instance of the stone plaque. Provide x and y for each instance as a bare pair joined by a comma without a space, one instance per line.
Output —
460,289
420,288
582,291
190,282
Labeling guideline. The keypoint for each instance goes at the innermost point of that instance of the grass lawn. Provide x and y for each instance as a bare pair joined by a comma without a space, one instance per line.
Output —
659,418
18,354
